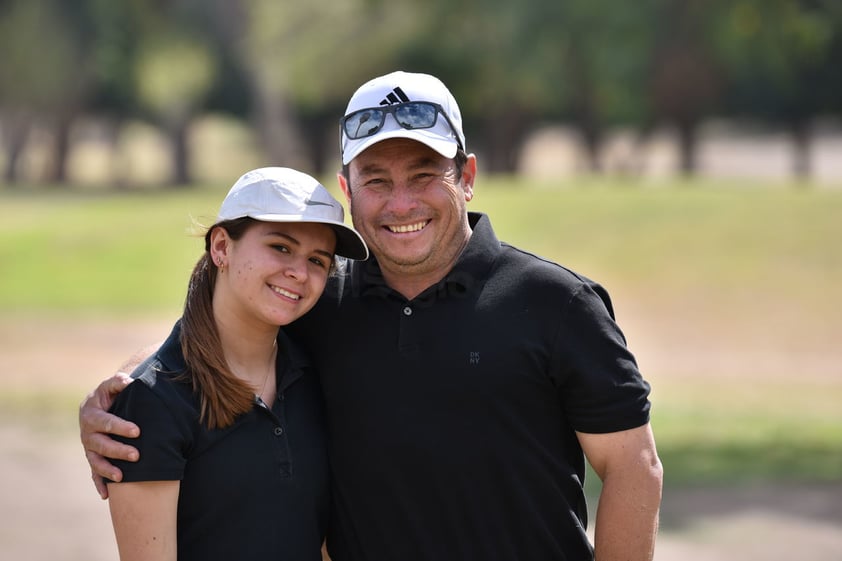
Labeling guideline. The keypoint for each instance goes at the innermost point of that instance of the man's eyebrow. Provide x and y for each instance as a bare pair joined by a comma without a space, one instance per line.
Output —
418,163
423,162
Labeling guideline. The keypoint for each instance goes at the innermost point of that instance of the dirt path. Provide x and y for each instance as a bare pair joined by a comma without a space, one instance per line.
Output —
50,510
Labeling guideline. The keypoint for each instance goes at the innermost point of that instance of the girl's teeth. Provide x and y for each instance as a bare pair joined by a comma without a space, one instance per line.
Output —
283,292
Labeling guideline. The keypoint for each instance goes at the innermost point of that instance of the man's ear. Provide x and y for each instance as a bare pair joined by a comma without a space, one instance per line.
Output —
343,184
469,175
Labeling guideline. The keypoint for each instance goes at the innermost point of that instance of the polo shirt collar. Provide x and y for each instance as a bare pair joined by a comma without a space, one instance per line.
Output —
468,274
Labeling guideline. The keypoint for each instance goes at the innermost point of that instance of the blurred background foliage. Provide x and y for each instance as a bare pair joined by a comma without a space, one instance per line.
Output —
729,292
286,70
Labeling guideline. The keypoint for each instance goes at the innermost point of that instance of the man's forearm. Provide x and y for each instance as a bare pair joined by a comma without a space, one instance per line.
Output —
138,357
627,515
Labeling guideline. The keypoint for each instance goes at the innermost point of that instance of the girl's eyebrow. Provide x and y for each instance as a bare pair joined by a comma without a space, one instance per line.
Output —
295,242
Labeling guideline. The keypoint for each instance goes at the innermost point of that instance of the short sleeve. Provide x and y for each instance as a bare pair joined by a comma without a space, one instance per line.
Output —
599,383
164,436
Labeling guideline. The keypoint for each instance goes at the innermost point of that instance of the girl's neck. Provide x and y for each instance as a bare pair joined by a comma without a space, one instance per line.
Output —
250,351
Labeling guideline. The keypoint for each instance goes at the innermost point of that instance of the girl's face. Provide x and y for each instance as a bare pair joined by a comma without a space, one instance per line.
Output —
274,273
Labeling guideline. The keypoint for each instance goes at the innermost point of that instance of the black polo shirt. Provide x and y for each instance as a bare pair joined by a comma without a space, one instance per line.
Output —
255,490
451,416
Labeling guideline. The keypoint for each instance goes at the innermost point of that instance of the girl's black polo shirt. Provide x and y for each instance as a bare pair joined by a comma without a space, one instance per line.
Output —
255,490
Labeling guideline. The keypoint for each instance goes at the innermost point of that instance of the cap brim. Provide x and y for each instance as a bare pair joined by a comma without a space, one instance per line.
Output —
445,146
349,243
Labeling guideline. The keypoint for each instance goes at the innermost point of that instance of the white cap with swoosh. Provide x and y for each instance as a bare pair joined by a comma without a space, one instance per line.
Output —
277,194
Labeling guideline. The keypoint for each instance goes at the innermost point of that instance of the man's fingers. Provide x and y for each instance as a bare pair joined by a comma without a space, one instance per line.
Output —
96,426
103,396
102,445
93,420
101,469
114,385
118,426
100,485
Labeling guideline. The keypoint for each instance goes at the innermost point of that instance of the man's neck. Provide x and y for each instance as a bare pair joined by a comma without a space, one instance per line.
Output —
410,284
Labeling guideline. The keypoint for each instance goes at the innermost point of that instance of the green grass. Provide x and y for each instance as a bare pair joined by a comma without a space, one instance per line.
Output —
736,256
131,252
126,253
780,430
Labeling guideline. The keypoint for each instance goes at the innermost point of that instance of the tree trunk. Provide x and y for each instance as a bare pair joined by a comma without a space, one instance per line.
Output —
277,128
181,176
321,147
687,146
591,139
501,139
16,133
57,170
800,131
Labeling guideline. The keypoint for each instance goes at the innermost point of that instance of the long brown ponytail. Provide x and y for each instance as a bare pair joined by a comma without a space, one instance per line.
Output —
222,395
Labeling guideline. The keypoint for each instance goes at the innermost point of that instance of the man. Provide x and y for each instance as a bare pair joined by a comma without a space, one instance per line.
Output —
467,380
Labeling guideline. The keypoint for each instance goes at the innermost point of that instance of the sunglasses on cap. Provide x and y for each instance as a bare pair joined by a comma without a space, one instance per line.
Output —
411,115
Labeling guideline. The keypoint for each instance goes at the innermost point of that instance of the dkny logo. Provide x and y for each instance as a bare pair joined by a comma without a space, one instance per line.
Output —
473,357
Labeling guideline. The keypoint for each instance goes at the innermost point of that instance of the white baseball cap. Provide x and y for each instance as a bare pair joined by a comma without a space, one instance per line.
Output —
404,87
276,194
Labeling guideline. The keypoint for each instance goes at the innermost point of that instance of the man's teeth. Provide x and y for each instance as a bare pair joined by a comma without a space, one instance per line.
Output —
407,228
286,293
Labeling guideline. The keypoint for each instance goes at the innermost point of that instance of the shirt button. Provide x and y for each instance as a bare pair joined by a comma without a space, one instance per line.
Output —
407,311
279,431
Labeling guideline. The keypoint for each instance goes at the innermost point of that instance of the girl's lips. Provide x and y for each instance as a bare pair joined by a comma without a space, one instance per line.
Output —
283,292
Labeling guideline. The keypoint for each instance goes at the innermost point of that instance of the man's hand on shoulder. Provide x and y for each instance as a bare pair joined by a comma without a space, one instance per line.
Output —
95,427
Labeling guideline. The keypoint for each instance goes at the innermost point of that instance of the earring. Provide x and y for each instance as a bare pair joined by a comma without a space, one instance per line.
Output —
220,265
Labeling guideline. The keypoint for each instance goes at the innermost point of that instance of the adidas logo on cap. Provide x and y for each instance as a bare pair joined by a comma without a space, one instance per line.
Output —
445,137
395,96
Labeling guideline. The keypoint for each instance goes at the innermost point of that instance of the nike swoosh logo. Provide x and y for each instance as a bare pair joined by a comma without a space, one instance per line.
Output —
310,202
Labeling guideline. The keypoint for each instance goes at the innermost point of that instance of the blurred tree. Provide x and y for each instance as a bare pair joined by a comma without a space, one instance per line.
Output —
172,69
301,63
253,32
504,73
781,57
606,49
355,40
45,82
516,65
291,67
685,77
174,73
116,28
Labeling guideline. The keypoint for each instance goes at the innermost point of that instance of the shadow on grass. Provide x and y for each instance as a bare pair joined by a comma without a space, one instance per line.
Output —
801,479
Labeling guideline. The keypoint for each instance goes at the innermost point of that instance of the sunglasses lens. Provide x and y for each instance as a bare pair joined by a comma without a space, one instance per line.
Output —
363,123
416,115
411,115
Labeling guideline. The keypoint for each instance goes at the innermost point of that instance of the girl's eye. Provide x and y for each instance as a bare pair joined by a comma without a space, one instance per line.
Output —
281,248
318,261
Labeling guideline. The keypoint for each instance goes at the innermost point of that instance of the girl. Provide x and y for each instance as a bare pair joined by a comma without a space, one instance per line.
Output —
232,452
